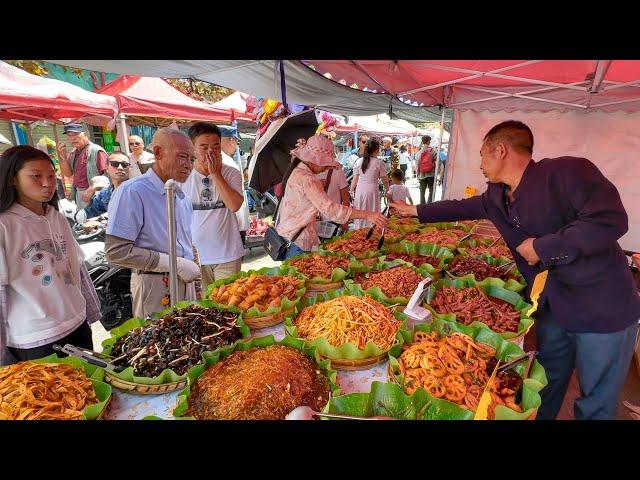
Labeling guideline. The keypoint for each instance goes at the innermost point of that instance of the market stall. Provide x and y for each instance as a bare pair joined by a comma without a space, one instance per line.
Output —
256,323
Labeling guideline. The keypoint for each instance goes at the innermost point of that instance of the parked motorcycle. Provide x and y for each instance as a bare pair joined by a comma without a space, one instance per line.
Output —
112,282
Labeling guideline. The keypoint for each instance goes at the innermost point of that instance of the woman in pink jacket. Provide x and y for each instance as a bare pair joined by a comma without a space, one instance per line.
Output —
305,198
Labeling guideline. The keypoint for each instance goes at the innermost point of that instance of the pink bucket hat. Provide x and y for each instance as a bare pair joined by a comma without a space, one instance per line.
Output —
317,150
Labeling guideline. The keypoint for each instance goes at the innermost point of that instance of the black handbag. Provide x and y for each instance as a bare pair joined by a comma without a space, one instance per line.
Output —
275,245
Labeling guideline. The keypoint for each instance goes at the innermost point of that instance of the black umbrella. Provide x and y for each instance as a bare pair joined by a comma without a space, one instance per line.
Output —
272,156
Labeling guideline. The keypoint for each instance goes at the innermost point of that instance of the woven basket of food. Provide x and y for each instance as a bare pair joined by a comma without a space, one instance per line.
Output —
354,330
404,224
53,388
392,283
266,296
431,235
485,246
324,270
483,267
257,379
356,244
469,302
452,366
429,257
157,354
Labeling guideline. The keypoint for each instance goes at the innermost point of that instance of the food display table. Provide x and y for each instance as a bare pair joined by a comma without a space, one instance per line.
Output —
129,406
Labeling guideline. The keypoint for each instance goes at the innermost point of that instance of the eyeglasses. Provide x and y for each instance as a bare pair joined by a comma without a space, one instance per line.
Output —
131,144
116,164
206,192
363,141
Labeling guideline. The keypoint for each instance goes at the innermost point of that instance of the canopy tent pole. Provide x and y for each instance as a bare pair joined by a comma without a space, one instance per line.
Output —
283,87
125,138
170,188
56,139
435,179
29,134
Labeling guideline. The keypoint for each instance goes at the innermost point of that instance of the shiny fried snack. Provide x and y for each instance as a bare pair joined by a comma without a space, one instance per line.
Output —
456,368
44,391
400,281
319,265
349,319
260,291
471,304
258,384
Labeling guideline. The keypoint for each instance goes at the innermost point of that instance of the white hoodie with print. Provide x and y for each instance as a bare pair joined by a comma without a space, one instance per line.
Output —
40,271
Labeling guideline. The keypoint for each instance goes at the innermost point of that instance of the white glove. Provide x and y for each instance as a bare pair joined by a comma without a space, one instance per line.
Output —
188,271
81,216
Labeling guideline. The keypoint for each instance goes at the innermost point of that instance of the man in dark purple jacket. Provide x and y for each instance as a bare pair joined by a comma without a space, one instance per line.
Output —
564,216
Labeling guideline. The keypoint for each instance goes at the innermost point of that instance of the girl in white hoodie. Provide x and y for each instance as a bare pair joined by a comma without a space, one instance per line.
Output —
46,296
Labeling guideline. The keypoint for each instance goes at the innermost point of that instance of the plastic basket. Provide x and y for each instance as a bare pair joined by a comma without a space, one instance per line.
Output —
327,229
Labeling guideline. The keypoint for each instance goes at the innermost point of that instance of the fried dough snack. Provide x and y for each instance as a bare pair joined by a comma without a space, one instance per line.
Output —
44,391
349,319
258,384
400,281
260,291
319,265
471,304
456,368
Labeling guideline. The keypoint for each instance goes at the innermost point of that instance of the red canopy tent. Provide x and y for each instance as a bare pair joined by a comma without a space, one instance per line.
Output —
154,97
27,97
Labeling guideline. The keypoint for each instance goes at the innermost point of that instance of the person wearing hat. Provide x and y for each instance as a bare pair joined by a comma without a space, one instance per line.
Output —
304,196
386,149
86,160
229,142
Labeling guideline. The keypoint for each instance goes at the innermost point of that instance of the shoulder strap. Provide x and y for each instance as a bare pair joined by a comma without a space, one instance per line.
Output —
326,186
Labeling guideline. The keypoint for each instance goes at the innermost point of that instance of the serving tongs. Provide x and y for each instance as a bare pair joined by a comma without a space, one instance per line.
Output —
307,413
89,356
381,241
495,241
508,264
530,357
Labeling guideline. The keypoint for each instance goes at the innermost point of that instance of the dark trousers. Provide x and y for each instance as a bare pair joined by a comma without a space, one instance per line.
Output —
80,337
424,184
404,172
601,360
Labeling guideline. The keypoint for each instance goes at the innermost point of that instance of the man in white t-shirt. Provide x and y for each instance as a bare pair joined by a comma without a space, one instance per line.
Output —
215,189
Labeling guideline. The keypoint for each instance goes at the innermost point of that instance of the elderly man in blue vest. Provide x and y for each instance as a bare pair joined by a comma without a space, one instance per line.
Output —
86,160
